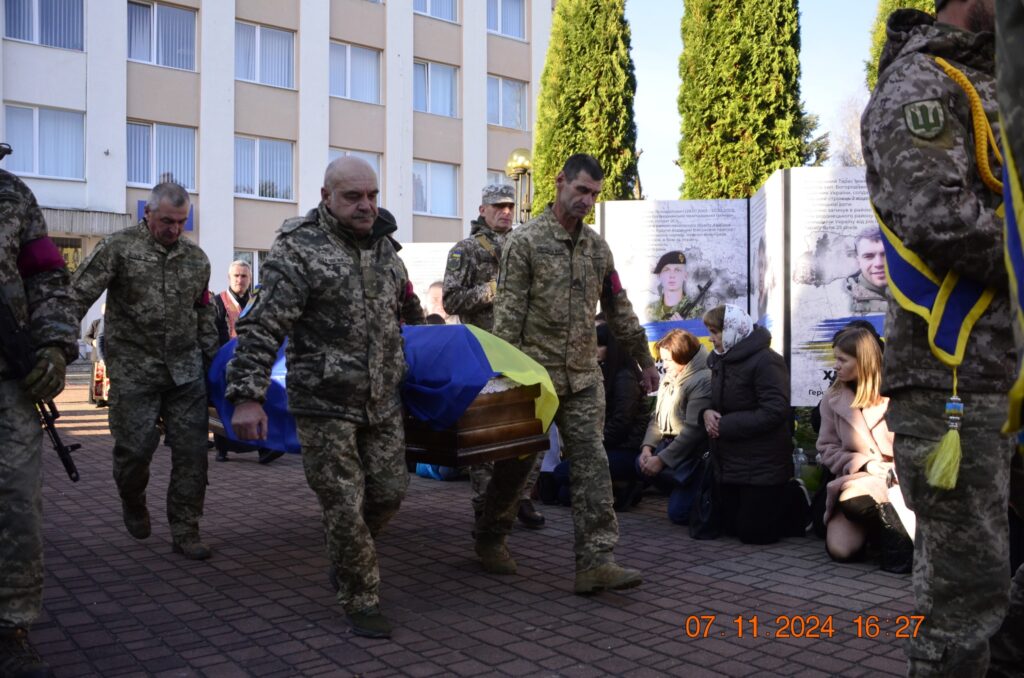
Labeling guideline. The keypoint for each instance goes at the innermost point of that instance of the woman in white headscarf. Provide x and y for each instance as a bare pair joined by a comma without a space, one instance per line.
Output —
749,427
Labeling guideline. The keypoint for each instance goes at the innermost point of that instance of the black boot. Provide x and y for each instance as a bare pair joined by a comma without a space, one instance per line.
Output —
18,659
896,545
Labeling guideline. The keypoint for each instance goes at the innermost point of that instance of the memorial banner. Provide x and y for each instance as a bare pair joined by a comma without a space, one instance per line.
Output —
768,287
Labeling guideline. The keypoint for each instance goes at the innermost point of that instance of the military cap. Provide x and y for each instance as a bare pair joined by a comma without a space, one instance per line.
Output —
673,257
498,194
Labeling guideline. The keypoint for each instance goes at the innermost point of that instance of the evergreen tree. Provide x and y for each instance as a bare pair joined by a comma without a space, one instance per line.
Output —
586,95
885,8
740,95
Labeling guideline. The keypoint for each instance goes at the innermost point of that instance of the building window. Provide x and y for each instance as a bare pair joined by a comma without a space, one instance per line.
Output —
263,168
264,55
162,35
434,87
496,177
47,142
439,9
372,158
506,102
54,23
435,188
159,153
507,17
355,73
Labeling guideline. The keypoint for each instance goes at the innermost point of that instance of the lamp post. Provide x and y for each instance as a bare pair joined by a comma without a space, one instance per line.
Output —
518,169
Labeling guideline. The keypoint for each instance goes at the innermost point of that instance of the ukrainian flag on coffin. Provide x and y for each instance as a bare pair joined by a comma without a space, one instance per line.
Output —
448,366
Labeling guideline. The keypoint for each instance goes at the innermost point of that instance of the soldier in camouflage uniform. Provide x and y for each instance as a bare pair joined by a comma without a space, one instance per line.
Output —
333,283
470,281
160,338
926,186
1007,646
33,280
554,271
671,270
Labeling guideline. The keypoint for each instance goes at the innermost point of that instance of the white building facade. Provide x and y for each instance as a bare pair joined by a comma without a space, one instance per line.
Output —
244,102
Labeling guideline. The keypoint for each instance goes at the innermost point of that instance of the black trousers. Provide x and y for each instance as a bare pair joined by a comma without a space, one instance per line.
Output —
755,513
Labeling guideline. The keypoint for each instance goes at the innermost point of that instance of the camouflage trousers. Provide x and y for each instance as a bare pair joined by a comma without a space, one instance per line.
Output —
359,475
21,508
134,411
480,477
961,548
580,420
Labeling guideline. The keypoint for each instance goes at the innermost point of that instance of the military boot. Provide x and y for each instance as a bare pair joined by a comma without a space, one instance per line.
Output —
191,548
370,623
18,659
609,576
136,518
494,556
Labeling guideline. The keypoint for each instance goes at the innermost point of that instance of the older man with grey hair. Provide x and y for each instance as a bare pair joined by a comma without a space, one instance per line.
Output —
160,337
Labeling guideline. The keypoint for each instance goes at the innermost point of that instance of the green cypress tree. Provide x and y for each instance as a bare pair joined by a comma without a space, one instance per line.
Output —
885,8
585,104
740,95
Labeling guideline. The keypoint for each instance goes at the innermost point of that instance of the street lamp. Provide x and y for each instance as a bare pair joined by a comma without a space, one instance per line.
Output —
518,169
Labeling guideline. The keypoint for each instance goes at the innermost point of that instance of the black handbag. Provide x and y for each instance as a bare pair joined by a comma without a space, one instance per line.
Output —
706,515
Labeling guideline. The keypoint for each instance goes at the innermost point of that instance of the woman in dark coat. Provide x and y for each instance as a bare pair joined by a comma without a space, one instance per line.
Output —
749,426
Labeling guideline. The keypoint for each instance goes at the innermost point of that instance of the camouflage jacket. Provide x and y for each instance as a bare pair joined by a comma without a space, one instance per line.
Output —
923,180
864,297
471,269
34,286
548,289
339,301
659,311
159,323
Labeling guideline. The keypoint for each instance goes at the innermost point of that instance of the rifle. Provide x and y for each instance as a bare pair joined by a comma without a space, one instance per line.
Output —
702,291
16,347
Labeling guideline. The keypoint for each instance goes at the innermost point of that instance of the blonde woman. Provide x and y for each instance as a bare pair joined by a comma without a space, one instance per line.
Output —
863,502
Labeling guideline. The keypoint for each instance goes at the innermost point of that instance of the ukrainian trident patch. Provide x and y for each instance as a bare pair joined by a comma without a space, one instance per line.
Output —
925,119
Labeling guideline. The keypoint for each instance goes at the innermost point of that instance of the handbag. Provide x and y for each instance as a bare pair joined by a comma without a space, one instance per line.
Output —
706,515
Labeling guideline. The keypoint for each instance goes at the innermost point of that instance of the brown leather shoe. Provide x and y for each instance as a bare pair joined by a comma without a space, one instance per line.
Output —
606,577
136,519
494,556
192,548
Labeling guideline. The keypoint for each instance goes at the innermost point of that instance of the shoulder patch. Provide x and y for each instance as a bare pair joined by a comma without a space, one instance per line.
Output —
925,119
454,259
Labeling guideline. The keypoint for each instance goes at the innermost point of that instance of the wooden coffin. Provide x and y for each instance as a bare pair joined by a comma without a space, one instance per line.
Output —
496,426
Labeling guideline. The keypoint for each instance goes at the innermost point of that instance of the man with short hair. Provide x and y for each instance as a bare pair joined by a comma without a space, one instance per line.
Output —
160,338
335,286
867,286
929,175
554,271
33,286
470,282
228,305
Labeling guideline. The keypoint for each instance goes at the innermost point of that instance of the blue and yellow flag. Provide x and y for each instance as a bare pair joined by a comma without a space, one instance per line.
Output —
1013,237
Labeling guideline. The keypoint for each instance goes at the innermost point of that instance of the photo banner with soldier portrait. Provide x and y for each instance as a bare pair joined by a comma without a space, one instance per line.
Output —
767,259
425,263
837,270
677,259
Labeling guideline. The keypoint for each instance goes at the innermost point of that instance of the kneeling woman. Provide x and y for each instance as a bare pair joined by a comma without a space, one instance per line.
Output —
864,503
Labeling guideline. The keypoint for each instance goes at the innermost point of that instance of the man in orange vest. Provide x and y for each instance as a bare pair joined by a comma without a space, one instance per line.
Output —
229,305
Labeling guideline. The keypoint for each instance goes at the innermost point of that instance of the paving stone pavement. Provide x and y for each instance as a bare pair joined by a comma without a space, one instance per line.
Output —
261,606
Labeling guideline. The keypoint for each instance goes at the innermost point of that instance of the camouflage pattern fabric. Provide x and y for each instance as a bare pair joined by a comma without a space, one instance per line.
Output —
659,311
339,300
480,477
548,290
924,181
134,410
865,297
159,319
580,421
359,476
39,301
549,285
961,549
21,507
470,276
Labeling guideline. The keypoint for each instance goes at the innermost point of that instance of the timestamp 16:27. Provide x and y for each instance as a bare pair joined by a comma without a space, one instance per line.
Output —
803,626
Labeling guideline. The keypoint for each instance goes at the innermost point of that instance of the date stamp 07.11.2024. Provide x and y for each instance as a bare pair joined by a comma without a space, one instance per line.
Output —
811,626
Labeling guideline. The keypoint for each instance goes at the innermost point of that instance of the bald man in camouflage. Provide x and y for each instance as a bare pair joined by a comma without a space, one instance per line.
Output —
334,285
